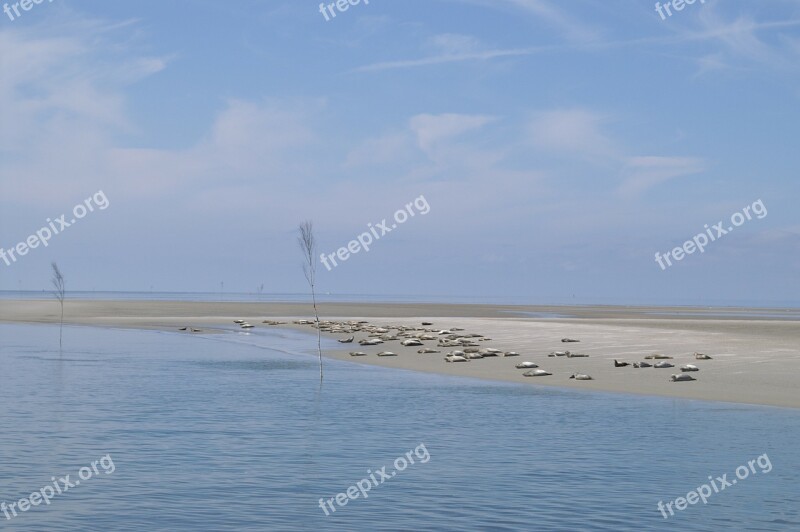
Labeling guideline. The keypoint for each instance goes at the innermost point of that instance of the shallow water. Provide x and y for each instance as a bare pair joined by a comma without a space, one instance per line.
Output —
233,432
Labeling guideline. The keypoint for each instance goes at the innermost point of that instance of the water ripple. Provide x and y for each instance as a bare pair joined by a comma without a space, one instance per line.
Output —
218,434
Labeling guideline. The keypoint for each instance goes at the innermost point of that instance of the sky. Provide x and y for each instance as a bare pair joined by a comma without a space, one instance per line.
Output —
558,146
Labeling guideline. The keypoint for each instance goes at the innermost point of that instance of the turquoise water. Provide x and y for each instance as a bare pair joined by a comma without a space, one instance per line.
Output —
233,432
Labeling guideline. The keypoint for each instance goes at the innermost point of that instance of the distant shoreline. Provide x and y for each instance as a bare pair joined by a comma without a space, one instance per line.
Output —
754,360
387,299
166,307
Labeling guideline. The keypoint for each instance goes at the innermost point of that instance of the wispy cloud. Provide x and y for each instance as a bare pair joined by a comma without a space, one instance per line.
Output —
645,172
581,134
738,39
433,129
549,13
451,58
576,132
569,25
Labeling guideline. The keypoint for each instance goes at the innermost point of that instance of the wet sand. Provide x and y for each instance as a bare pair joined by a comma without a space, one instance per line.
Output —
755,359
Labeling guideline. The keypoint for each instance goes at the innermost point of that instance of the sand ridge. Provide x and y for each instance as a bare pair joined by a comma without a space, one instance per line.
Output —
754,360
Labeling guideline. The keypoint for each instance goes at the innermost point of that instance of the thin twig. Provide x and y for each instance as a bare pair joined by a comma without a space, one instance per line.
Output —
308,245
59,293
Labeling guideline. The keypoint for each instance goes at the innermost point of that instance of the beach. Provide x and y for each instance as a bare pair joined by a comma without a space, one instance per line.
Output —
754,358
362,266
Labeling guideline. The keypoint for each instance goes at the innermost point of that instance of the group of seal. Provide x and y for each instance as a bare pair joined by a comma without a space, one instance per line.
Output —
566,354
679,377
468,347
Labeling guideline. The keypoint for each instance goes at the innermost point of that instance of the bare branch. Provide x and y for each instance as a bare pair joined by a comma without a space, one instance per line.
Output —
58,282
308,245
59,293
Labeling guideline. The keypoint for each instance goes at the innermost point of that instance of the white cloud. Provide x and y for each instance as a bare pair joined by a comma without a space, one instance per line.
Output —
579,133
391,148
573,132
433,129
454,44
452,58
62,99
549,13
568,25
645,172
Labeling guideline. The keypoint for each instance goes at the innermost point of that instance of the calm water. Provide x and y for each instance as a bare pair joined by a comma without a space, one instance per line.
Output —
233,432
400,298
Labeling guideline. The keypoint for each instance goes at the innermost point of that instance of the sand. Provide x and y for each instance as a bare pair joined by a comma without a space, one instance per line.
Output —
755,359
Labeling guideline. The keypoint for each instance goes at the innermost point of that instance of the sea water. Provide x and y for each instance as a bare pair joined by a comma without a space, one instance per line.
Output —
234,432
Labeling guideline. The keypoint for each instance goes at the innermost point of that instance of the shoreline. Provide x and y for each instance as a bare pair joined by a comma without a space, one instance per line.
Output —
753,360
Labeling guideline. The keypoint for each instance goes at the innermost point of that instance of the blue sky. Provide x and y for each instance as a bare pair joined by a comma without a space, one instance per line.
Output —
560,145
